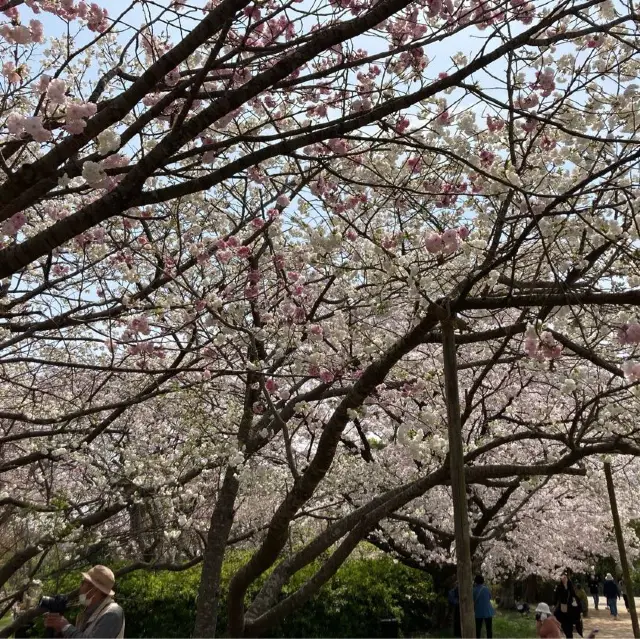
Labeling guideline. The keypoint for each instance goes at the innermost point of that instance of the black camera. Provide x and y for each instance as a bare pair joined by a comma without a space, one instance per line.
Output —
56,604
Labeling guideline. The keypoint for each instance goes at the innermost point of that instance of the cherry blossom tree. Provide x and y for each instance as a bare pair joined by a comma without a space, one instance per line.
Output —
507,519
230,233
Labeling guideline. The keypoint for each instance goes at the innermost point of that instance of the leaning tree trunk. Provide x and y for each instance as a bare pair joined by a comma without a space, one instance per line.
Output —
209,590
222,520
458,483
622,550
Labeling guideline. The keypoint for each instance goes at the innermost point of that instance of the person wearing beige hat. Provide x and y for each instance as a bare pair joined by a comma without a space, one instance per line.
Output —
102,616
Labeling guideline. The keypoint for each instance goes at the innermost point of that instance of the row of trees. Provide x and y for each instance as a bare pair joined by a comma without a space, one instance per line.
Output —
230,233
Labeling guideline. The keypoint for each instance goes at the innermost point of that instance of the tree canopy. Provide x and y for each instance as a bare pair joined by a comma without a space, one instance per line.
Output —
229,233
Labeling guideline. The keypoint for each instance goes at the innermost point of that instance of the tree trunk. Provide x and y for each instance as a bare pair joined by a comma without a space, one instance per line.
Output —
531,589
458,482
219,529
508,594
621,549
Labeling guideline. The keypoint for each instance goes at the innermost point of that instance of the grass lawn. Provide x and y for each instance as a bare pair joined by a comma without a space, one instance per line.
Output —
509,623
506,623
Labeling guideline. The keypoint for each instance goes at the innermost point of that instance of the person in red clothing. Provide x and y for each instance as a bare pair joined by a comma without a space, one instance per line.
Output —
547,626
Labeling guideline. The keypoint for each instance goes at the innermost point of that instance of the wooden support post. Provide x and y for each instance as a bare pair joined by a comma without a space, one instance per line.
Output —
458,482
621,549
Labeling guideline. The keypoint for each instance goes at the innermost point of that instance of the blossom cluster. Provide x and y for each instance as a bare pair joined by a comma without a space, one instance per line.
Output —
19,125
631,370
76,115
629,333
447,242
13,224
541,347
95,17
21,34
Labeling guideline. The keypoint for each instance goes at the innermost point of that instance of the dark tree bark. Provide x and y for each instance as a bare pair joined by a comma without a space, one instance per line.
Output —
209,590
458,482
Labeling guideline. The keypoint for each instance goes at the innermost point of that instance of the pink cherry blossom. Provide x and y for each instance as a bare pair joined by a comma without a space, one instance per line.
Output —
415,164
251,292
33,127
37,31
434,243
96,18
139,325
629,333
14,224
631,370
9,71
56,90
327,377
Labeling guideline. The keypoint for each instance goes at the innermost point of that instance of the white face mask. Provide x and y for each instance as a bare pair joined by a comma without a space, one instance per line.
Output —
83,599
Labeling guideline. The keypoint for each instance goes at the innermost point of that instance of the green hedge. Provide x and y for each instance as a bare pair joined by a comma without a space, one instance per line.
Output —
363,592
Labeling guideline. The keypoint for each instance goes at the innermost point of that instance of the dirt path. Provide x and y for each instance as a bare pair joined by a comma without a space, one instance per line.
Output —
604,621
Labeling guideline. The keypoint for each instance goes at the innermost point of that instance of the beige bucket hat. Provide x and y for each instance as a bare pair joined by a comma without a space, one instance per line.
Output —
102,578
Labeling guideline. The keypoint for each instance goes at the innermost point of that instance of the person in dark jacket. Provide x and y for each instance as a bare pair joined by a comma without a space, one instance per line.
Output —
454,602
567,605
482,606
612,594
593,583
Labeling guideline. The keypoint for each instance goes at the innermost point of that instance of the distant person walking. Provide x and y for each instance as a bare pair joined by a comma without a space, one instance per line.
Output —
593,583
582,610
567,606
612,594
623,592
482,606
583,598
